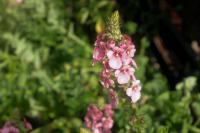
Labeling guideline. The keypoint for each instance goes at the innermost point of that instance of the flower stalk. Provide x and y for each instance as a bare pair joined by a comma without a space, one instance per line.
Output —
115,52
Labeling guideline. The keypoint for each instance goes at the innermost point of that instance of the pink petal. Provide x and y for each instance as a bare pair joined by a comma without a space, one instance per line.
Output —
115,62
126,59
135,96
129,92
110,53
134,63
117,72
123,78
98,54
132,52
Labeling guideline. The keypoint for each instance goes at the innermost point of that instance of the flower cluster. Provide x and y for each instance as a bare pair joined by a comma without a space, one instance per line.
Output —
99,121
118,64
115,52
10,127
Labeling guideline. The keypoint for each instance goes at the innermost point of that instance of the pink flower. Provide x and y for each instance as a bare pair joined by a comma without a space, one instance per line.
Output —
106,81
98,54
106,66
100,49
110,44
99,121
124,74
129,50
127,39
108,110
134,91
113,98
107,123
115,57
99,39
9,128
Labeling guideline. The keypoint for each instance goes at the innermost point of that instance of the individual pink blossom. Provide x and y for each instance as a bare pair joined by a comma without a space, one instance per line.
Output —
115,57
100,49
98,54
134,91
124,74
129,50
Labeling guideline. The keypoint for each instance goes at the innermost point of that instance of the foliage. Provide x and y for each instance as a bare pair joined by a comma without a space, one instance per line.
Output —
46,72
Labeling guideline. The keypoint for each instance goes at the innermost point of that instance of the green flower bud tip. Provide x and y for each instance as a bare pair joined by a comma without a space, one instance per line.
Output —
113,27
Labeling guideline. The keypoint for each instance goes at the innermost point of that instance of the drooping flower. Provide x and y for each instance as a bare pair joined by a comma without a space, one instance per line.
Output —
134,91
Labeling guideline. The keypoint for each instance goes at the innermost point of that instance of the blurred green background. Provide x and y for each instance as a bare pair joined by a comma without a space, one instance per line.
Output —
46,73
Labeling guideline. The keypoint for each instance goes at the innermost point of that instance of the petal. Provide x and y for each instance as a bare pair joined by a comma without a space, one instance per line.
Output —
132,52
110,54
115,62
123,78
131,70
135,96
111,82
126,60
117,72
129,92
136,83
134,63
98,54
